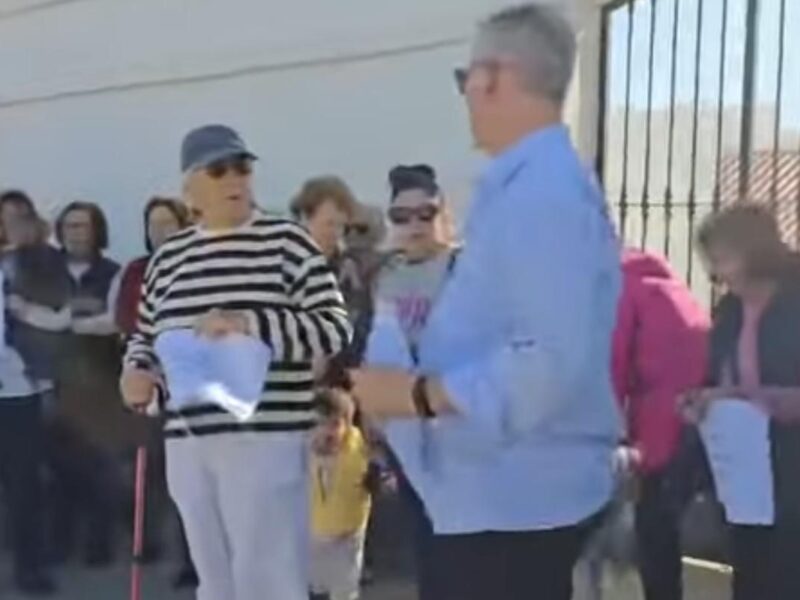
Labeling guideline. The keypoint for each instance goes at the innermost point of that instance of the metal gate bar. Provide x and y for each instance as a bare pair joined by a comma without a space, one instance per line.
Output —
682,118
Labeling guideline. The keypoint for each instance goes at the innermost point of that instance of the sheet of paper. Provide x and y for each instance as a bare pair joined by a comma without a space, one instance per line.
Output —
229,372
737,440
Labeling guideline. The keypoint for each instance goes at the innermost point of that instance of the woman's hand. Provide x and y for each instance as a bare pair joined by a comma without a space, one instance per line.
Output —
218,323
693,405
138,388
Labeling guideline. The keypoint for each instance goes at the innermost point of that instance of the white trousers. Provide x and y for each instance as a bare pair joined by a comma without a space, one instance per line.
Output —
336,565
243,501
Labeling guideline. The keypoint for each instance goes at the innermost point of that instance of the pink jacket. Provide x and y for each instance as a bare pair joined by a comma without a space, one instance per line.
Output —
660,350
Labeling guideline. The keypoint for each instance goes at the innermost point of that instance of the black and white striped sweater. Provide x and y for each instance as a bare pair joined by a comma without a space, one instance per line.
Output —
270,269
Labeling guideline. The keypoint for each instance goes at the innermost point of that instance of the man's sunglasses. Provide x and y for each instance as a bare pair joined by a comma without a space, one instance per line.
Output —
461,75
402,215
241,165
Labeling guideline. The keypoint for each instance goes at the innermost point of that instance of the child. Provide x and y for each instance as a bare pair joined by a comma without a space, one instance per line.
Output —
341,498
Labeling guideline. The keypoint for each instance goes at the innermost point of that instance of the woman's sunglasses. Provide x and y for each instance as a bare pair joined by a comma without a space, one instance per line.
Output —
240,165
356,229
402,215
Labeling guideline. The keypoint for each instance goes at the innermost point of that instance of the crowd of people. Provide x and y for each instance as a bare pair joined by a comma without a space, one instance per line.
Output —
507,385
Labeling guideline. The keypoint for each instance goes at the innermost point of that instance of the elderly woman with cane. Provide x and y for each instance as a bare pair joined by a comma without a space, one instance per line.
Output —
239,481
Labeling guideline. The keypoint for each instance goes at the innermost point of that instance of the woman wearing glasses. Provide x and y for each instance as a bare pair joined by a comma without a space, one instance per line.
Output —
407,288
424,253
240,486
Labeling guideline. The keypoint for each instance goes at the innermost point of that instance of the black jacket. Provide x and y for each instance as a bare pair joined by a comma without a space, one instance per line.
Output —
779,364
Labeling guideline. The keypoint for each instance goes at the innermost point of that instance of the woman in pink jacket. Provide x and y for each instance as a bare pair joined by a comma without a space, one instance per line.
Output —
660,352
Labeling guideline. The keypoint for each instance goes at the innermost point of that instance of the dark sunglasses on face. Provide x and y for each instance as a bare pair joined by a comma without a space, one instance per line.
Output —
240,165
461,76
401,215
356,229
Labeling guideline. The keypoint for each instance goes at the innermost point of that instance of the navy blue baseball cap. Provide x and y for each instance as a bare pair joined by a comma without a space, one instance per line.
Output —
209,144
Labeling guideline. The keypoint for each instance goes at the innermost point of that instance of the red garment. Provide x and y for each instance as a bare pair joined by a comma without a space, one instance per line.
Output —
660,350
130,291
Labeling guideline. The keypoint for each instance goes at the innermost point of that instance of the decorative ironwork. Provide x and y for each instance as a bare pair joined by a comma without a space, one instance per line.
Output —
716,122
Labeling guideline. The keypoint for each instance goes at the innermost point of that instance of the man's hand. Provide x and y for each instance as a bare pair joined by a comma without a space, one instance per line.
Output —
138,387
383,393
627,460
218,323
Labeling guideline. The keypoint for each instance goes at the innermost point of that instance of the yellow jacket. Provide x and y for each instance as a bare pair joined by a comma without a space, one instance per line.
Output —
340,504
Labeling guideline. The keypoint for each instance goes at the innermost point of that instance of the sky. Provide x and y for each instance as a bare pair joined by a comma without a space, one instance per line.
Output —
710,48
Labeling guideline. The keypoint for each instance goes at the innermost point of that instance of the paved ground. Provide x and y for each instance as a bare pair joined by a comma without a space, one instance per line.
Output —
112,584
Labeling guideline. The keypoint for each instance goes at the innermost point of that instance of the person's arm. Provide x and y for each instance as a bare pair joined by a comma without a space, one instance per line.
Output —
531,287
139,351
782,403
141,382
105,322
315,326
38,316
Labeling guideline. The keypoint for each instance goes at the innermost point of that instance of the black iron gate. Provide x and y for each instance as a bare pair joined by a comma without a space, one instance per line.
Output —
699,107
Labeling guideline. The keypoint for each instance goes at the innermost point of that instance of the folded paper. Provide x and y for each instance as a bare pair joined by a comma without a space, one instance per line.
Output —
736,434
229,372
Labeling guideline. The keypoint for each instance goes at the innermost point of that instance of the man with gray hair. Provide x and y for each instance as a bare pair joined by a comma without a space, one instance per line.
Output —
516,417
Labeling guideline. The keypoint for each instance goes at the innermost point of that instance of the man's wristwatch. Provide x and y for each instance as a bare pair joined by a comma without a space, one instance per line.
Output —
422,402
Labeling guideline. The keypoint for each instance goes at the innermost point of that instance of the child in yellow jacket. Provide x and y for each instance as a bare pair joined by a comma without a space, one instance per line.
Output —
340,498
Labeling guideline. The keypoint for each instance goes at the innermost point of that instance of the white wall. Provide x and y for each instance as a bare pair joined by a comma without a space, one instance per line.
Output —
95,95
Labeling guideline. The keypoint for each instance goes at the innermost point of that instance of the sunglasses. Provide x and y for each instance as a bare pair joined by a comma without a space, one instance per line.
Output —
461,75
356,229
401,215
240,165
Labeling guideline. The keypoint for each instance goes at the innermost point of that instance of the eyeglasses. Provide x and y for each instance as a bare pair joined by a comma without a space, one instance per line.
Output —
240,165
402,215
461,75
356,229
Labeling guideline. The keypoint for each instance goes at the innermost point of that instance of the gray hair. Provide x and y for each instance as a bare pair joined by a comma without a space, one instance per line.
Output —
537,37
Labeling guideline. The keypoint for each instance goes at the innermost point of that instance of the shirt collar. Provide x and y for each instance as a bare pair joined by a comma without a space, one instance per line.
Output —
505,165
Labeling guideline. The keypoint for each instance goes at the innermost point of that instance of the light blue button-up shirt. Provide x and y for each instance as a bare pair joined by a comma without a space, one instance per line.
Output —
521,339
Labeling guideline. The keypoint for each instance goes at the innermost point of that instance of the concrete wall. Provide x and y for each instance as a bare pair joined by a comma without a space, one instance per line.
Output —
96,94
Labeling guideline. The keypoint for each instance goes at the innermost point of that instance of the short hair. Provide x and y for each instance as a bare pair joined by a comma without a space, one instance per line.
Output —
333,402
540,39
19,198
319,190
96,217
173,205
752,230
